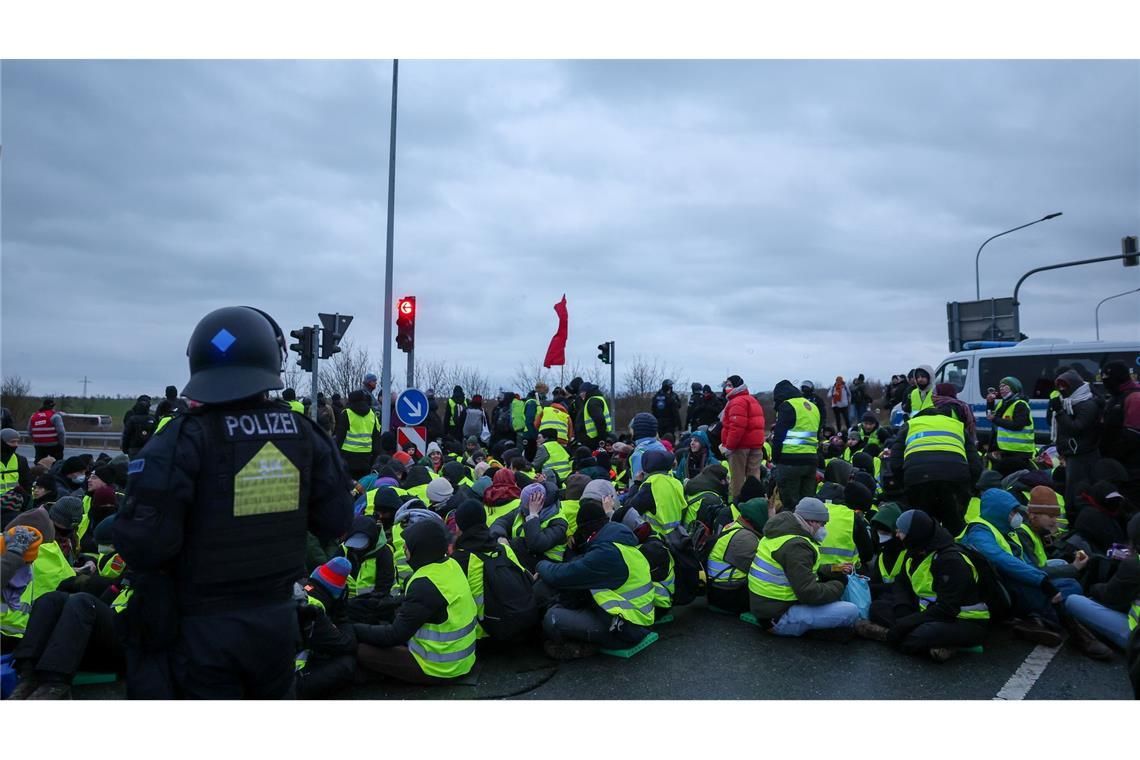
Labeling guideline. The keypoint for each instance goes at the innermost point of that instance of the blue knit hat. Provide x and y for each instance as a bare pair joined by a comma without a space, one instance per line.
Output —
643,425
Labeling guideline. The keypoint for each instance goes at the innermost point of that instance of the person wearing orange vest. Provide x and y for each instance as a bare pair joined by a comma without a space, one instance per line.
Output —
47,431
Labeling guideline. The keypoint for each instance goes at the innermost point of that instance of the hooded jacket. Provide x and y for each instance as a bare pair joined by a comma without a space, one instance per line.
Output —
785,420
714,480
1078,432
137,427
1120,435
601,565
933,466
360,404
954,583
928,390
1101,519
686,461
1021,418
797,559
995,508
743,421
1123,588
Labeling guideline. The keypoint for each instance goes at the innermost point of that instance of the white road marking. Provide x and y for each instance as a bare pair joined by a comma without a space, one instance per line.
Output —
1025,676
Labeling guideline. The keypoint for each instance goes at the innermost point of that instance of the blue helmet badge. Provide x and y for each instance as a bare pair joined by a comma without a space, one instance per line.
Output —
223,340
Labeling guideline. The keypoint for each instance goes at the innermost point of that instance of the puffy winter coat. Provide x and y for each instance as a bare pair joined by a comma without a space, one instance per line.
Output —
743,421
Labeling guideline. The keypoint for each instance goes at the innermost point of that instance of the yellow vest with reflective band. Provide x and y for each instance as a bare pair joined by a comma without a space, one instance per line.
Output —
632,601
766,577
839,544
420,492
663,590
1031,545
922,581
1002,539
364,582
49,569
119,604
1134,615
890,575
721,573
803,438
1020,441
555,554
974,509
111,565
358,440
569,510
302,658
10,473
918,402
162,423
559,460
297,406
475,581
447,649
591,427
403,569
494,513
693,504
518,415
669,499
935,432
556,420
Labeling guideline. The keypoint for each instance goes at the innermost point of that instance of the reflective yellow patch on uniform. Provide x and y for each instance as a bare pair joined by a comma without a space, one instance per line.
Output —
268,483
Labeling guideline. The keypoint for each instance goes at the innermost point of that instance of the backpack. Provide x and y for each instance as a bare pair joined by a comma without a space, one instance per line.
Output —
993,592
509,607
659,402
686,564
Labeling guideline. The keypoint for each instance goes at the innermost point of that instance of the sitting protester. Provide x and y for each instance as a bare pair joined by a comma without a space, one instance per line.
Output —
501,497
536,529
1036,533
660,498
327,660
732,554
40,570
888,563
788,593
372,568
1112,609
936,605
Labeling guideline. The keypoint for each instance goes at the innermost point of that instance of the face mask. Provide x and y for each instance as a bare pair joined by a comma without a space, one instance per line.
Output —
1015,521
885,537
106,548
78,479
820,535
1007,395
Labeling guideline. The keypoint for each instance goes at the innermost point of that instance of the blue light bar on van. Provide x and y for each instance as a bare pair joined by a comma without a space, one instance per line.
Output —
973,345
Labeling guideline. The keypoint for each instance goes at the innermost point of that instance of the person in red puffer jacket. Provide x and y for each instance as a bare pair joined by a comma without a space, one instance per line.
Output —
742,435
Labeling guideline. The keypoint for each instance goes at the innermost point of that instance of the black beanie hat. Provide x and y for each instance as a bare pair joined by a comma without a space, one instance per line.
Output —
470,514
857,496
591,518
753,488
427,542
1114,375
387,501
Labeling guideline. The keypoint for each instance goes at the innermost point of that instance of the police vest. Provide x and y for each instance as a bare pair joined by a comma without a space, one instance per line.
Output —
447,649
10,473
592,427
558,460
922,581
766,577
669,501
494,513
721,574
297,406
803,437
249,519
890,575
358,440
632,601
42,429
556,420
935,432
49,569
1018,441
918,402
475,580
839,544
1031,545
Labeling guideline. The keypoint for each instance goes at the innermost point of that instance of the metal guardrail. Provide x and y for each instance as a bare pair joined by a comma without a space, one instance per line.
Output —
114,437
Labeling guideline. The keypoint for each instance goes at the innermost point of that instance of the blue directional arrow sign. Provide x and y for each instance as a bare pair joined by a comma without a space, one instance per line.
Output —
412,407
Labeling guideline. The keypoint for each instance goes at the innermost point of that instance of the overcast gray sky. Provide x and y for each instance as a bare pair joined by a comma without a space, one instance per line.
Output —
771,219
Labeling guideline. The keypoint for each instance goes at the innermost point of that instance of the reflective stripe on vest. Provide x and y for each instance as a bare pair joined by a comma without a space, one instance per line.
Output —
49,569
494,513
556,420
838,545
889,576
1016,440
803,438
10,473
591,426
935,432
766,577
1031,545
403,567
922,581
918,402
558,460
668,500
364,581
554,554
447,649
1002,540
358,439
1134,616
721,573
632,601
663,590
43,429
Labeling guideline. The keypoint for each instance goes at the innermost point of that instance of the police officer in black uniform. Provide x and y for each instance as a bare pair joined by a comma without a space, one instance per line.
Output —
214,526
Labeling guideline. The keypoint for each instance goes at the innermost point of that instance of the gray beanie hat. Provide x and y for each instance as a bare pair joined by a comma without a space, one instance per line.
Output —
902,525
812,509
9,435
439,491
598,490
67,512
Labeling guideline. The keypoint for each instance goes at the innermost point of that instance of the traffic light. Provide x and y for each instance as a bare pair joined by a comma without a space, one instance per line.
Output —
604,352
303,347
334,327
406,323
1128,248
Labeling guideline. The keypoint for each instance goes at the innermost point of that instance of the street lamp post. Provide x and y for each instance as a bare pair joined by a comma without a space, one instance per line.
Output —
1097,312
977,258
386,369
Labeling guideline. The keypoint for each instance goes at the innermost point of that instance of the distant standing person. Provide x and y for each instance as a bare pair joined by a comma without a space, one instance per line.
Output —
368,385
47,432
178,404
474,419
840,398
860,398
667,408
742,437
138,427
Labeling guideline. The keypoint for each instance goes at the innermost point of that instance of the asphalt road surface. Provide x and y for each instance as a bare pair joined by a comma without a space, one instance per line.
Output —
703,655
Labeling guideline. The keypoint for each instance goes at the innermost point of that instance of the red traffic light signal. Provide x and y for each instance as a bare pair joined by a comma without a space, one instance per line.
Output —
406,323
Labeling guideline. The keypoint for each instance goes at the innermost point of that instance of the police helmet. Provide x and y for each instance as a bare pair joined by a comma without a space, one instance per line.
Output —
235,352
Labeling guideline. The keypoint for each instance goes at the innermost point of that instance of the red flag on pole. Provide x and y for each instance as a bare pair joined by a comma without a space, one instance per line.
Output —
556,352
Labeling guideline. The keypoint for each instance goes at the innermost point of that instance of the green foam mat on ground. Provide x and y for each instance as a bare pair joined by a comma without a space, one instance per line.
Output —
973,650
749,618
722,611
87,679
664,619
627,653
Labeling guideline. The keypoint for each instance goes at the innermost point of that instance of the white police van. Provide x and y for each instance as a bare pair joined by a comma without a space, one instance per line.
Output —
1035,363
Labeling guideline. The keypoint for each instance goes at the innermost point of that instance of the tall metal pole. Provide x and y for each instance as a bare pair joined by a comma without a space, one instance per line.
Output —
1063,265
386,370
316,357
411,368
1097,313
977,258
613,386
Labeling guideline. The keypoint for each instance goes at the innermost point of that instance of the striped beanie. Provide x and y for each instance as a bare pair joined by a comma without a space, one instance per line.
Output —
333,575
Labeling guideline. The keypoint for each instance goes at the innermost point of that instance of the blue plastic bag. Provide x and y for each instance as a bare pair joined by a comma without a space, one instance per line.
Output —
858,592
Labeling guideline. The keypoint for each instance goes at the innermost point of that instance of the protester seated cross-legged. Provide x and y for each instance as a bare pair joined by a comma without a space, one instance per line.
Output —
1112,609
327,660
936,604
732,554
789,594
432,639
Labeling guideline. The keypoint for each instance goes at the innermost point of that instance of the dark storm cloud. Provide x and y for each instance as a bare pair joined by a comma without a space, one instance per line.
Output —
799,219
